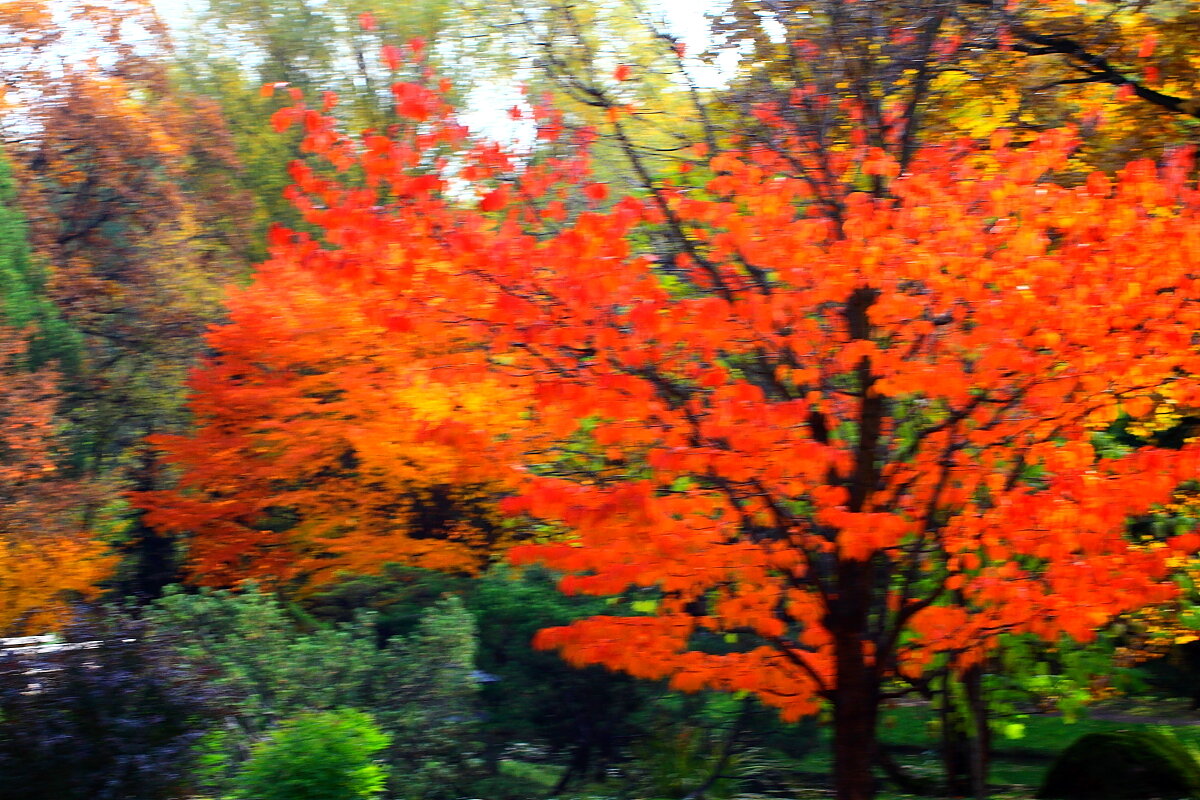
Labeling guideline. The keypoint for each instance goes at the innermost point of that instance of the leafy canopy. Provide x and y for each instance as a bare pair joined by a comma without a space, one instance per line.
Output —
855,426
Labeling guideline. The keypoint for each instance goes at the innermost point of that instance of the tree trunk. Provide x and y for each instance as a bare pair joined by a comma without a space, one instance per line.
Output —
854,711
956,762
856,695
981,741
966,737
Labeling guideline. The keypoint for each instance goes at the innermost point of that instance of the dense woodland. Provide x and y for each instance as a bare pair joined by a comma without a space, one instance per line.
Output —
445,399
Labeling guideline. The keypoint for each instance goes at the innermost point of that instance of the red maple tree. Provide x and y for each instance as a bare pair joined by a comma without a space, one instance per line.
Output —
830,435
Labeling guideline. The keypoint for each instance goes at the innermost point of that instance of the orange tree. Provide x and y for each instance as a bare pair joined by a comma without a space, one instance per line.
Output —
828,436
322,445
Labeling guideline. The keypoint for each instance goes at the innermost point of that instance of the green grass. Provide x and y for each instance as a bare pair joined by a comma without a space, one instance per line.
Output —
1018,764
541,778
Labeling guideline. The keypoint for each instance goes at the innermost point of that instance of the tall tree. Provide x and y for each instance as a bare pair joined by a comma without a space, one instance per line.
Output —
124,180
1122,70
46,552
852,430
121,180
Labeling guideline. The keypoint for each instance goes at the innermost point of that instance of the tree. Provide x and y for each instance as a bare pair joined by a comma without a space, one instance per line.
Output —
852,430
324,755
586,715
46,552
27,304
234,47
125,180
419,688
333,449
1121,70
45,548
613,67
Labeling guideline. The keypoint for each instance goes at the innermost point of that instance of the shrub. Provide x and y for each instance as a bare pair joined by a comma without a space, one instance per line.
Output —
1122,765
420,688
326,755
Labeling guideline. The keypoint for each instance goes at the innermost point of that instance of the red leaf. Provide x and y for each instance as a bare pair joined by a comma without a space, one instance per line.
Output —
282,119
596,192
392,57
366,21
1148,45
622,73
494,200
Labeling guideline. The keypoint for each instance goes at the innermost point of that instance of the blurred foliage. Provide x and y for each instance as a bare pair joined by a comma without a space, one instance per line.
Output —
322,755
24,295
112,715
594,725
276,663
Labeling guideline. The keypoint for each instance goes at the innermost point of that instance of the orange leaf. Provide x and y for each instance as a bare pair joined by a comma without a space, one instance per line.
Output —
1147,47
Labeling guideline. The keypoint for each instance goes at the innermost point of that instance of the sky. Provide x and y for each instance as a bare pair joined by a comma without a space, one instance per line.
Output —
486,109
686,17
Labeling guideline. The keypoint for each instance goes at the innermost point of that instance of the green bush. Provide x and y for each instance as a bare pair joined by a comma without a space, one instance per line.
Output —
1123,765
419,688
327,755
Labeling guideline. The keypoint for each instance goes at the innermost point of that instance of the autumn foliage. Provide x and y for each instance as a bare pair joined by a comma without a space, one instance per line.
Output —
828,434
325,444
46,553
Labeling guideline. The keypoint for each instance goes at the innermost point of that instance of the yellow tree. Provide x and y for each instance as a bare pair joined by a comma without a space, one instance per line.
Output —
1124,71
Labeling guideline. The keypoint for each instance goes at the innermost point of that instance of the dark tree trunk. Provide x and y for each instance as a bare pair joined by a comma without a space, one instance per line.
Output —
854,712
981,741
956,759
955,756
151,558
966,736
856,695
856,692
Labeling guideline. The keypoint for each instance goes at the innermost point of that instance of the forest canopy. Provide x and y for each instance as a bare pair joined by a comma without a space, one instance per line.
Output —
847,352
